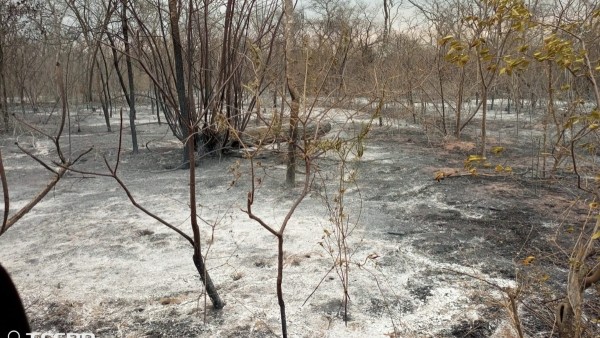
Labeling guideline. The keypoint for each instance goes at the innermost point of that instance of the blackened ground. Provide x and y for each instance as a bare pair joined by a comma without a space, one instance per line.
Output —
101,267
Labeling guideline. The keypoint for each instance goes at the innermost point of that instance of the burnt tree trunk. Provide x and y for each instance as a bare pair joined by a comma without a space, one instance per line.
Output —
292,86
3,100
180,79
130,78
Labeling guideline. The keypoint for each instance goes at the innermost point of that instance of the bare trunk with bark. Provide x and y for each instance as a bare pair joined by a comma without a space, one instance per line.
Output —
180,79
3,99
130,78
292,86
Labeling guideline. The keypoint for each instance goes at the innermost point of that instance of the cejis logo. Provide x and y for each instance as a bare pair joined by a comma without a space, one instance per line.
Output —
16,334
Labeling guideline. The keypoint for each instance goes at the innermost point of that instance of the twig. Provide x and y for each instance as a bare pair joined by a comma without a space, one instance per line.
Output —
24,210
37,159
318,285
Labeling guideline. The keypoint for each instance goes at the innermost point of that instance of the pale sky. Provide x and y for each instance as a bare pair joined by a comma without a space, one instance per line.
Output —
405,11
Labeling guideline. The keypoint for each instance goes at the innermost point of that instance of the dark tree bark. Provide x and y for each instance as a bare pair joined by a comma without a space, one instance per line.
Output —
131,100
104,95
107,84
3,100
292,86
180,78
187,122
210,288
119,75
159,104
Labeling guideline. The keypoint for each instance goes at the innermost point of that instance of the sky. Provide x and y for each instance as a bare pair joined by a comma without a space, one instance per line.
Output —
404,9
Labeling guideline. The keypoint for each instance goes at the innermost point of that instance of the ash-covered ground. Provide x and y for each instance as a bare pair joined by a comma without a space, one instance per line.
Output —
424,254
